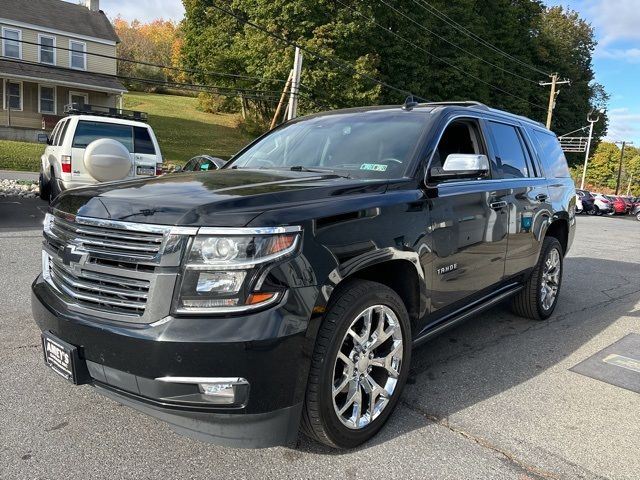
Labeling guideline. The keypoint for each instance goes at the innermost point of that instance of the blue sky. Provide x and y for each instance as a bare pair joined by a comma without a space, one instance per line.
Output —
616,60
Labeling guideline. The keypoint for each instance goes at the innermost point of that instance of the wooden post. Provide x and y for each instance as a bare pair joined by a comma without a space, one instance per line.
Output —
282,97
243,106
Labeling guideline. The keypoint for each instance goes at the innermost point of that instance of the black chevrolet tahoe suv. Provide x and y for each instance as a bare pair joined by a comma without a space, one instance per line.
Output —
286,291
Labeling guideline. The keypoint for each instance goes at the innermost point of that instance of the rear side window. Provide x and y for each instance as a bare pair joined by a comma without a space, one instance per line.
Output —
552,156
63,132
87,132
142,141
509,151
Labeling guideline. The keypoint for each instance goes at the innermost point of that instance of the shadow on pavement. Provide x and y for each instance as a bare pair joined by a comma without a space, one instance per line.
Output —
18,213
498,350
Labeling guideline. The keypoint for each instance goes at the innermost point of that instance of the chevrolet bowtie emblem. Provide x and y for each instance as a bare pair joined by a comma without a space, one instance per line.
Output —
72,254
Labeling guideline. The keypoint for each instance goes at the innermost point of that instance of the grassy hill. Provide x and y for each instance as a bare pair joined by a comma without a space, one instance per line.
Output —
182,132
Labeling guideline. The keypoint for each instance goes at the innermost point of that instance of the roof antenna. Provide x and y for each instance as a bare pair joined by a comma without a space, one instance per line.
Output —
409,103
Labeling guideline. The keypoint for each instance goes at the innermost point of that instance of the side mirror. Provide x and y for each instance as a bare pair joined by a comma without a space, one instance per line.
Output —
177,169
461,165
44,138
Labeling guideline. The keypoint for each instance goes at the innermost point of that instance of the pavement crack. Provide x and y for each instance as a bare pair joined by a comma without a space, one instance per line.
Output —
530,470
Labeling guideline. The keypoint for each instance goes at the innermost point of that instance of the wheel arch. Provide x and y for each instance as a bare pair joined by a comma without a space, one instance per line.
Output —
559,229
401,271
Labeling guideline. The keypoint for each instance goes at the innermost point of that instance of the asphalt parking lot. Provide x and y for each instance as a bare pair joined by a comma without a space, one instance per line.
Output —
493,398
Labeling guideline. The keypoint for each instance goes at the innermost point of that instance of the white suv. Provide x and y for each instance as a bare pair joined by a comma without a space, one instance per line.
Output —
89,147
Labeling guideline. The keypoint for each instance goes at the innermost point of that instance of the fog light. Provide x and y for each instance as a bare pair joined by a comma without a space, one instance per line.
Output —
218,390
225,391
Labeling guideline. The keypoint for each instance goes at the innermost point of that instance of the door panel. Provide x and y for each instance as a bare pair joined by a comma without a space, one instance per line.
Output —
529,207
469,240
468,222
529,213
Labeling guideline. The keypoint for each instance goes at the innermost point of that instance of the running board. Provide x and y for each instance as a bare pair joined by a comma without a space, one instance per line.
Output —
461,315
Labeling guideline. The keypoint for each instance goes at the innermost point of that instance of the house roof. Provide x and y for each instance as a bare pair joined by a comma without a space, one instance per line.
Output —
39,73
60,15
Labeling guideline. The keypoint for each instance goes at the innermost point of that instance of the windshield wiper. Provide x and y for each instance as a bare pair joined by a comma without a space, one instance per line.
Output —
300,168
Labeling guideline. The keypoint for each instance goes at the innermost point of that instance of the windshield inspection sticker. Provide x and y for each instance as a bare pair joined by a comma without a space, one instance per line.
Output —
376,167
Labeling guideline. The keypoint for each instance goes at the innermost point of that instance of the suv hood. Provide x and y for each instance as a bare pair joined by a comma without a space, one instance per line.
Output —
228,197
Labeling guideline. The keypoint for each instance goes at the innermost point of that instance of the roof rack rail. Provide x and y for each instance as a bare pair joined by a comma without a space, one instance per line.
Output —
464,103
101,111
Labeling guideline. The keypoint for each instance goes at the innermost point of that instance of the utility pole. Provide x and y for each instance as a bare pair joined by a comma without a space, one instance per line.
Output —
555,81
281,102
295,85
620,166
586,154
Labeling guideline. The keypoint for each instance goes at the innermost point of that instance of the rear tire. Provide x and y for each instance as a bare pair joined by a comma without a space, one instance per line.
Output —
348,369
45,187
543,285
54,189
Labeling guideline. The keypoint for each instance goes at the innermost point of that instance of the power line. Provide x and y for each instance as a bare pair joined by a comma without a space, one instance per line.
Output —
151,64
217,89
470,34
464,72
340,64
457,46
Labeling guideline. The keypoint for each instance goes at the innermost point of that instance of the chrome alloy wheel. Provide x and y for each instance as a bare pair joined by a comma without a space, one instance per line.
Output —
367,367
550,279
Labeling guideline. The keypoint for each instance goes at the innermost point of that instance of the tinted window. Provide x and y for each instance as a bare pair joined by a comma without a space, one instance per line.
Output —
460,136
552,156
189,167
55,132
362,145
509,151
87,132
63,132
143,143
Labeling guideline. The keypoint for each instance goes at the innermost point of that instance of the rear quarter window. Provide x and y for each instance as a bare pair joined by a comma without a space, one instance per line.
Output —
551,155
142,141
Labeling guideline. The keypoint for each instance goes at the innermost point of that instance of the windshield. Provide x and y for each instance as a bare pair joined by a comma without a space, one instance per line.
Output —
373,145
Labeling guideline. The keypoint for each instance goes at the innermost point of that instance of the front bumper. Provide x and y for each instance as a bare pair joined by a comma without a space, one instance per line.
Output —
271,349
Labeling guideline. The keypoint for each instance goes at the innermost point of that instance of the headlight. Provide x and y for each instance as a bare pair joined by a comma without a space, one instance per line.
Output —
239,252
221,266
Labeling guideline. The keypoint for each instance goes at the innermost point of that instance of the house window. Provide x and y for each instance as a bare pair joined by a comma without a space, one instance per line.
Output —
11,44
47,52
47,99
78,56
79,99
14,95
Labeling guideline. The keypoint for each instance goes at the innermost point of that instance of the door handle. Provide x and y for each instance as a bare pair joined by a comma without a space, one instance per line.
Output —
542,197
498,205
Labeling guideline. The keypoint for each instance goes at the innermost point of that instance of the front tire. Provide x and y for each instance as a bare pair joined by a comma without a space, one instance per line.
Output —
539,297
359,367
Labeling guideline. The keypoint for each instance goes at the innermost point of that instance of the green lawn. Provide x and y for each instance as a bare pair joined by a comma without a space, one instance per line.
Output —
182,132
20,155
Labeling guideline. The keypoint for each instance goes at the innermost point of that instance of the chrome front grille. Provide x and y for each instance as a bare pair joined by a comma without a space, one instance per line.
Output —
114,270
101,291
111,241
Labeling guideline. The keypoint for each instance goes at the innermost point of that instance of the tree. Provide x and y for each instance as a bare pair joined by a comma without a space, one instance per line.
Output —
405,43
157,42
